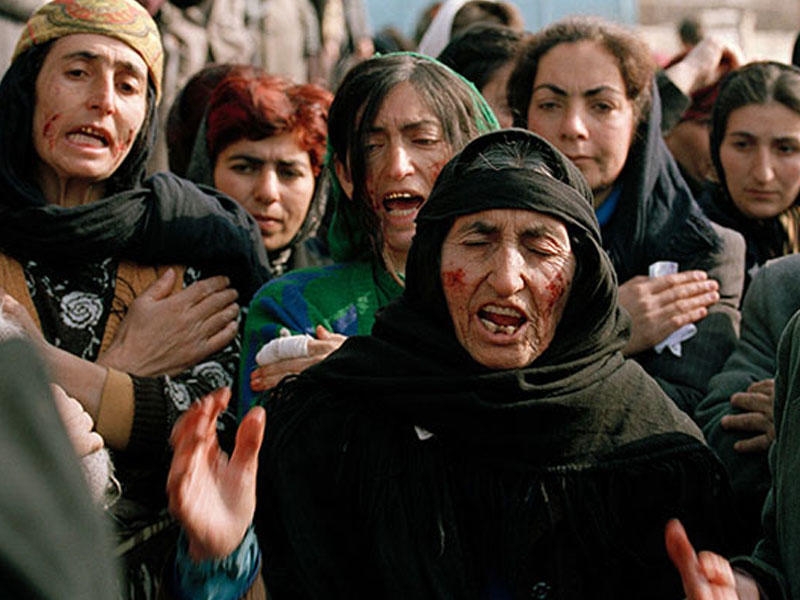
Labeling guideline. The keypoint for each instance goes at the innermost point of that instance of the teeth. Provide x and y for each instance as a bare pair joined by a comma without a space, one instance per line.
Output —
494,328
502,310
397,195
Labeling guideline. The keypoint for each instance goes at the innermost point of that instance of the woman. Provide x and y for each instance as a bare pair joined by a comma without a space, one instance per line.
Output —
87,244
755,148
484,54
487,440
394,122
587,87
263,144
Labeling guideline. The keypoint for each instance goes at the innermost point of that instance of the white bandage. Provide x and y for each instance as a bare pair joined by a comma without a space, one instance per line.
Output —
282,348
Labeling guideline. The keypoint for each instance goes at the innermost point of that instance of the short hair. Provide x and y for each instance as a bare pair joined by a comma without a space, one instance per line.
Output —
189,108
755,83
480,50
261,106
486,11
690,30
633,57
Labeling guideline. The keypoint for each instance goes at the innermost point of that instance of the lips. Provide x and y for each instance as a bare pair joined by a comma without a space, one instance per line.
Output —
401,204
90,136
501,319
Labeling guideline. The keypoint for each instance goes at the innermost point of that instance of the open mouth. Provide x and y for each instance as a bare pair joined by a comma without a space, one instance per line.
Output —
402,204
501,319
89,136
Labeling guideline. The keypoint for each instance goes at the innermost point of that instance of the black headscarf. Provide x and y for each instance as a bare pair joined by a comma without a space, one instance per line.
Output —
160,220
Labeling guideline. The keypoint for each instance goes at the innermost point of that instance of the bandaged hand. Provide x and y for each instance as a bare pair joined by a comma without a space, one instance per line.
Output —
291,355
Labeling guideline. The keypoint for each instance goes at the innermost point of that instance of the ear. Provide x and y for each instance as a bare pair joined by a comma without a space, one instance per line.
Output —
343,175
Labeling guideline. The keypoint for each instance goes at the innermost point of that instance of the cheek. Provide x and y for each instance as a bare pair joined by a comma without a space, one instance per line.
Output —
435,168
455,289
49,129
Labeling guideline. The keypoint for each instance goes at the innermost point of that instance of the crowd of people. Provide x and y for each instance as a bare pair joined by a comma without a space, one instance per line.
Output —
500,314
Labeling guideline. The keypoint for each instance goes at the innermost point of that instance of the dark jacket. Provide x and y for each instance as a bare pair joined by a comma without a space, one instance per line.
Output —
658,219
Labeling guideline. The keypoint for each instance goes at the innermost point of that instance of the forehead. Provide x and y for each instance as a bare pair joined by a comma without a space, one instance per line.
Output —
403,105
511,221
102,47
283,147
771,119
579,66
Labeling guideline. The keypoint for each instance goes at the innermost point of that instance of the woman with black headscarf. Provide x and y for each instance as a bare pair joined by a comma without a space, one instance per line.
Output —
488,440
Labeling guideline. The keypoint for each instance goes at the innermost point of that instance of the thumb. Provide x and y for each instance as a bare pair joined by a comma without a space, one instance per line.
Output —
161,287
322,333
682,554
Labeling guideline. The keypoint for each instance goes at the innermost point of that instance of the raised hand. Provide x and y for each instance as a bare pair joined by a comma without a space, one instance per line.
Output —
758,418
164,333
214,497
658,306
267,376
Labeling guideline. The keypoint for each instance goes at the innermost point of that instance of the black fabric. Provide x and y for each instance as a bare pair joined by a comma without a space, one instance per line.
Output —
657,217
401,468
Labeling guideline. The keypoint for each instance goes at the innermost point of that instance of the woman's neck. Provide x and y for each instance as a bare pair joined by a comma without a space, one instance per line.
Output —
67,192
395,262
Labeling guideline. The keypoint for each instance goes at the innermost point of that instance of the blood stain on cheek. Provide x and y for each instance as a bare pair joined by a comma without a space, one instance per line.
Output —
453,279
48,130
123,145
555,289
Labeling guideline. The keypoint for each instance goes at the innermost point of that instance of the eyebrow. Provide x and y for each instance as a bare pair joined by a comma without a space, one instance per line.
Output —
94,57
262,161
586,93
484,228
409,126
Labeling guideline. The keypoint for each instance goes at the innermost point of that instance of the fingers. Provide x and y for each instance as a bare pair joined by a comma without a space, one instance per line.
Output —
249,437
268,376
682,554
161,287
759,443
750,421
765,386
717,570
77,422
201,290
753,402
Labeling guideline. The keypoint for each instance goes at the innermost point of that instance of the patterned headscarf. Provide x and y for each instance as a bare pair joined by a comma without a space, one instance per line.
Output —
125,20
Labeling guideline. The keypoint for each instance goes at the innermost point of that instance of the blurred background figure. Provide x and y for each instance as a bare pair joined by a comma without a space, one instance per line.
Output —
13,14
484,54
690,33
454,16
346,38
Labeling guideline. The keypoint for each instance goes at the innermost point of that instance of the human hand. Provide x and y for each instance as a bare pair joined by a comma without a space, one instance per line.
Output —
266,377
705,576
660,305
214,497
77,422
16,314
757,402
705,64
165,332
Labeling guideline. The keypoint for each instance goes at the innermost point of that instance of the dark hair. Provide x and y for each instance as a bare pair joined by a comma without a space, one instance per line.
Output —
486,11
481,50
18,157
690,31
796,51
633,56
188,109
360,97
259,106
757,83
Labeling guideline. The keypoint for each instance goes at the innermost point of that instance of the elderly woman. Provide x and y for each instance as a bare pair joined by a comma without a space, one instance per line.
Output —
587,86
394,122
93,256
487,440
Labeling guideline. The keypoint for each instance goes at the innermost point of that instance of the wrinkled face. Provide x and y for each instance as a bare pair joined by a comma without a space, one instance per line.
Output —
689,143
506,276
273,180
496,93
91,101
760,156
406,150
580,106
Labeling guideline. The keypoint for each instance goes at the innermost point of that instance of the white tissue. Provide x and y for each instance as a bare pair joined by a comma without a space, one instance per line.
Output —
282,348
672,341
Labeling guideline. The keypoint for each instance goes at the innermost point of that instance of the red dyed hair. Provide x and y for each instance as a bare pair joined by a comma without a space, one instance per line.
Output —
260,106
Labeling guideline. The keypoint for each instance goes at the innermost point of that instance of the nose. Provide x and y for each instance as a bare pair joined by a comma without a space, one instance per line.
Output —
761,169
400,164
573,124
267,189
102,96
507,276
